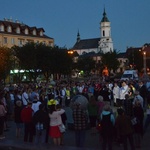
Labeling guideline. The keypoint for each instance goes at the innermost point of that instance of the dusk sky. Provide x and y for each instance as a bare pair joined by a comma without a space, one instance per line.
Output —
61,19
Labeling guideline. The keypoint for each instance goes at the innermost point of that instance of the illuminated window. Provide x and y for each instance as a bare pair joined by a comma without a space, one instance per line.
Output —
12,41
41,33
5,40
1,28
26,31
18,30
34,32
9,29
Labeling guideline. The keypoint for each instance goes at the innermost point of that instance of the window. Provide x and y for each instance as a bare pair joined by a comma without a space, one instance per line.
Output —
26,31
34,32
1,28
5,40
41,33
103,33
12,41
18,30
9,29
20,42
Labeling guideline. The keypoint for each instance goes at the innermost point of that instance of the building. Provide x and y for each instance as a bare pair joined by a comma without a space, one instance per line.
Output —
102,44
16,33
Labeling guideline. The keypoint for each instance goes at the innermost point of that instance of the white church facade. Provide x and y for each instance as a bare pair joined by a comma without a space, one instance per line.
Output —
102,44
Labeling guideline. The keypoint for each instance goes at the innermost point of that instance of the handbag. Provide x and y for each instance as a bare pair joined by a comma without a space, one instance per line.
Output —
62,128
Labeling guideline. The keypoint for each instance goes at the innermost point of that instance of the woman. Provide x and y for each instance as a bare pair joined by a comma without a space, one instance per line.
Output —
107,123
93,113
55,121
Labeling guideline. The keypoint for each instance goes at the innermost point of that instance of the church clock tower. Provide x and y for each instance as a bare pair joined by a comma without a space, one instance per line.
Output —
105,43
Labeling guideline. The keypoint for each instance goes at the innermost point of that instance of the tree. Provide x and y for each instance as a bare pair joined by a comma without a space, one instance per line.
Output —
5,62
31,56
110,61
86,64
41,59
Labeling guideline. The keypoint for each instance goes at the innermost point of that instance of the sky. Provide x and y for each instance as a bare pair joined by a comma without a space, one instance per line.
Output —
62,19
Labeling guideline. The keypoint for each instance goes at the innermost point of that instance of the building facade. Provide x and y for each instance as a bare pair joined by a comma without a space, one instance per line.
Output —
102,44
16,33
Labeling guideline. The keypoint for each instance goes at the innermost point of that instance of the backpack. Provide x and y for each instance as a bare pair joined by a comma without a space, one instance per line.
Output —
106,124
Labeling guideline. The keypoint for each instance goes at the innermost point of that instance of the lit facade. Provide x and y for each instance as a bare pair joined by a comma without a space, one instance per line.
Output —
16,33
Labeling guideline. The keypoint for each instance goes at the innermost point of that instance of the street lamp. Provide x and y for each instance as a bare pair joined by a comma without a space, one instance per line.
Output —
144,62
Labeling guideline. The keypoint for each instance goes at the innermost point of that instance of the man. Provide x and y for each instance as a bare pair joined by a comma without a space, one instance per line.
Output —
143,91
40,120
124,89
26,116
80,124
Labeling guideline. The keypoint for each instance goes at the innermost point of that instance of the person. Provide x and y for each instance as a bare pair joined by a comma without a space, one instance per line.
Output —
115,93
100,104
139,98
40,120
64,119
138,127
2,119
80,124
55,121
147,121
124,129
122,92
25,97
107,124
128,106
143,92
93,113
17,117
35,104
26,116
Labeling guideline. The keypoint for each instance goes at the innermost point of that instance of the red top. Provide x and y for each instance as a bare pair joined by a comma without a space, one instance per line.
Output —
26,114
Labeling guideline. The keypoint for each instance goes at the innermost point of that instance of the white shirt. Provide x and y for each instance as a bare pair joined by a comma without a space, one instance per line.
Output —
35,106
25,98
123,91
116,92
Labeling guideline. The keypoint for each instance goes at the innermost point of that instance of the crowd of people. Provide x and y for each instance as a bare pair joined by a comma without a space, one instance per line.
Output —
39,110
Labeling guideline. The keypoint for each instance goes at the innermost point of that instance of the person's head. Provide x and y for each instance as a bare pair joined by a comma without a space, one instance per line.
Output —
100,98
29,104
120,111
52,108
41,107
107,107
127,96
18,103
136,92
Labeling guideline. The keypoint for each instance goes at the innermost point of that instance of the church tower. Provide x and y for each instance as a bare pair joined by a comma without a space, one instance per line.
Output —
105,43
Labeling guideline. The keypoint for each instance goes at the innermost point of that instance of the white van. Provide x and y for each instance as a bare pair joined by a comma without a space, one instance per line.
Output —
130,75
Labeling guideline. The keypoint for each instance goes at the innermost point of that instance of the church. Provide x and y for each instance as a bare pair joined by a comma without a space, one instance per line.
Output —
102,44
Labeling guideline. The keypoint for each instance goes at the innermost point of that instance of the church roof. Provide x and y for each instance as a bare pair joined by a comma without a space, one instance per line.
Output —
87,43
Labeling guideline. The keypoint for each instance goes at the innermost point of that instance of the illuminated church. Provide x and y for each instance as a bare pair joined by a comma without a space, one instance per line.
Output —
102,44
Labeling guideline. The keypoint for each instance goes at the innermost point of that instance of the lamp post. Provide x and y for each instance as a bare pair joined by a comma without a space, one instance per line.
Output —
144,62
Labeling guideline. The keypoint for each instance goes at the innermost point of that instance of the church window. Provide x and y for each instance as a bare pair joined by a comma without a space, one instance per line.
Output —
103,33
